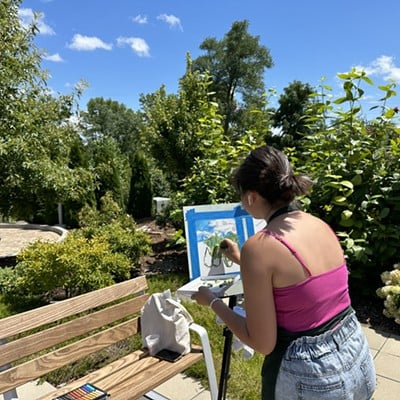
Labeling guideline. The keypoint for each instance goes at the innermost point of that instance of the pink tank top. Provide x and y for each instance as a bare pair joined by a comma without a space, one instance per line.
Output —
314,301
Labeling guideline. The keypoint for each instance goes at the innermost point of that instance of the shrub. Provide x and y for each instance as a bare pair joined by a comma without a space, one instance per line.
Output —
8,278
118,229
391,293
77,265
123,237
355,165
107,249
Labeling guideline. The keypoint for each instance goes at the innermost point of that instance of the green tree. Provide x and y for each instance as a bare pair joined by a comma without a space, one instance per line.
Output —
172,123
290,117
140,194
236,64
209,178
36,137
111,168
109,118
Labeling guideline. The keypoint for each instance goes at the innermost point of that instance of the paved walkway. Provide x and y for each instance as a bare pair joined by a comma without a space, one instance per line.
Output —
17,236
384,347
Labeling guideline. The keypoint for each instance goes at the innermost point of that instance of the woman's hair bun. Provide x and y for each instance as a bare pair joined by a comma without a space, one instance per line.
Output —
268,171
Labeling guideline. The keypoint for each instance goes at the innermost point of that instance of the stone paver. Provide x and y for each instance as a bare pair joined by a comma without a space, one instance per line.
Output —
182,387
32,391
15,237
385,389
385,348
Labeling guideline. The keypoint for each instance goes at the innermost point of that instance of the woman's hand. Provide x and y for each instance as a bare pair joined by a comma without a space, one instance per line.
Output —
230,249
203,296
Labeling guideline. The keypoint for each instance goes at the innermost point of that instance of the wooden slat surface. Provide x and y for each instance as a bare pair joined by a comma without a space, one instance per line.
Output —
40,366
95,376
45,339
132,376
23,322
136,386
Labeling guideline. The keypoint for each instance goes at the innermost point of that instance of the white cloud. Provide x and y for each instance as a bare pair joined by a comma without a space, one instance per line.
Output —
171,20
53,57
27,16
383,66
138,45
88,43
140,19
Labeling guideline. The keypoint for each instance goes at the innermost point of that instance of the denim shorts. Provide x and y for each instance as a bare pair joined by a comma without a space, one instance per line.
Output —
336,365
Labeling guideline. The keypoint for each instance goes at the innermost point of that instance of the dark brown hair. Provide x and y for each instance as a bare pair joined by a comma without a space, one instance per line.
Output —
268,171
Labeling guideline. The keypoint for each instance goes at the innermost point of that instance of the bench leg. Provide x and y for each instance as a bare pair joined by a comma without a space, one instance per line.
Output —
205,344
153,395
10,395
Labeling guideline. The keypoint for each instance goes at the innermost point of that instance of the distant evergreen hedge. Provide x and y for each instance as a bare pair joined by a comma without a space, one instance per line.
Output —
141,194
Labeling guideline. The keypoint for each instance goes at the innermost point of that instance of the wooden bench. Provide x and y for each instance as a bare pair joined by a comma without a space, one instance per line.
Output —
42,340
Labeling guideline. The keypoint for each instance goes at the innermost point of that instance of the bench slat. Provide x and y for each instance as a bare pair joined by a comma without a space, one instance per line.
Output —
30,370
23,322
149,379
45,339
132,376
96,376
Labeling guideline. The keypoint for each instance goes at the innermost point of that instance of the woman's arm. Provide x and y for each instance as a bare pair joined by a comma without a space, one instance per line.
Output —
256,273
258,328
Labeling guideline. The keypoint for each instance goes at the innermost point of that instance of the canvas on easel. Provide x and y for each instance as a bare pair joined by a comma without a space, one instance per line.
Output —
205,227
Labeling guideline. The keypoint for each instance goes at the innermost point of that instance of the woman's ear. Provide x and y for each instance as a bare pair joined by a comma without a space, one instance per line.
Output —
249,200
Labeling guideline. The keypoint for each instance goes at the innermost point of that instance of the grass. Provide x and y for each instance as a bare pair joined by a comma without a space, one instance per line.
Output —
244,382
10,305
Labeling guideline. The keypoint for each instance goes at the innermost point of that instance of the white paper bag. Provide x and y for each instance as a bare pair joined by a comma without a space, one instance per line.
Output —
166,319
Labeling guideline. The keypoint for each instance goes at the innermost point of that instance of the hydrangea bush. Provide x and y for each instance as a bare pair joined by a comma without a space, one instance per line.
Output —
391,293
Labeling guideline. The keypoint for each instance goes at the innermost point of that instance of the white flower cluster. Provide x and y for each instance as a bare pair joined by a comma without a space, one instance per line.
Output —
391,293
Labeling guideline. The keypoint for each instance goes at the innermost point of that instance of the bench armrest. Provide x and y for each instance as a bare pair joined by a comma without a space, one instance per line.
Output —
205,344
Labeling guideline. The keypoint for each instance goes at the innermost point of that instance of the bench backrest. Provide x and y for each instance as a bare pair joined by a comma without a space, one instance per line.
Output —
42,340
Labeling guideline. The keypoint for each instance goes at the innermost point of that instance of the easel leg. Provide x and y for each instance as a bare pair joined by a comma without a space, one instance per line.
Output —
226,357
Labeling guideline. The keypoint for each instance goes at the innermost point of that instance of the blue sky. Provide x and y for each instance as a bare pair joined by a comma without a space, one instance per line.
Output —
124,48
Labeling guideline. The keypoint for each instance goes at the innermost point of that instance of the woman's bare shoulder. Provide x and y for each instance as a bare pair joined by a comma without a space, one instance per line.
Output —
257,247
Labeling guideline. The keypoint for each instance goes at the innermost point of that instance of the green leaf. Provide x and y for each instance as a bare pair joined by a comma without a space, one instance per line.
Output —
357,180
389,113
384,212
339,200
347,184
367,80
346,222
340,100
344,75
346,214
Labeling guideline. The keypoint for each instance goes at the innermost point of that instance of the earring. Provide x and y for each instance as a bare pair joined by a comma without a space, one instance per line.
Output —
249,201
